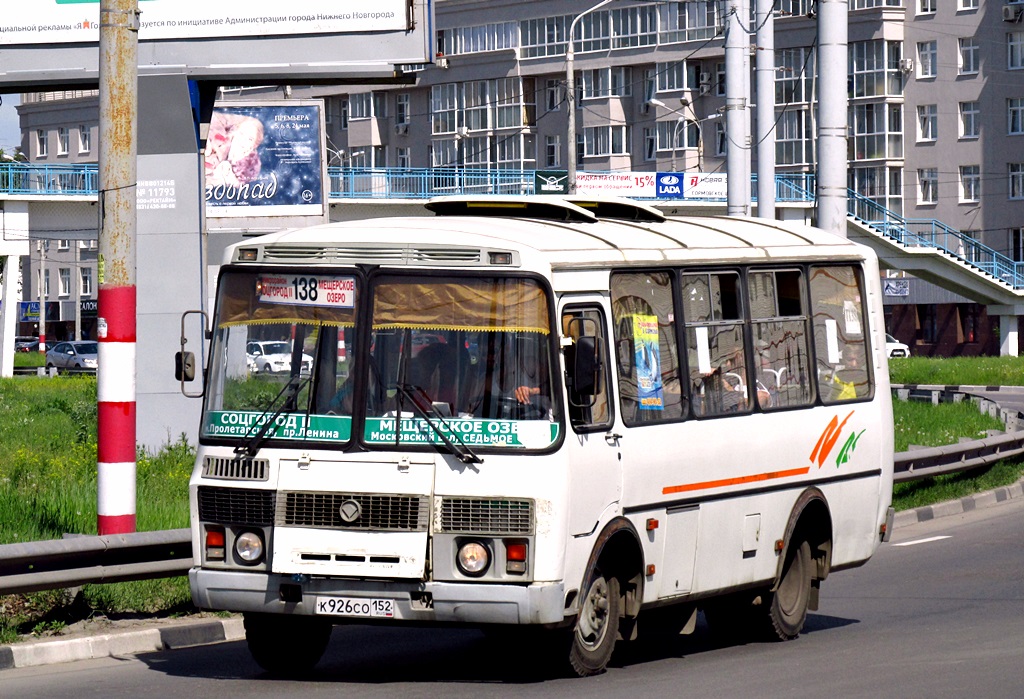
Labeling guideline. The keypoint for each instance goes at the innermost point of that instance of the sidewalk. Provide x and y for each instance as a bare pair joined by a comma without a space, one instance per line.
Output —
107,640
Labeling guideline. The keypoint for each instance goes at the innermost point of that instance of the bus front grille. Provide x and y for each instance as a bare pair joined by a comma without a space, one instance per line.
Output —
236,469
403,513
236,506
486,516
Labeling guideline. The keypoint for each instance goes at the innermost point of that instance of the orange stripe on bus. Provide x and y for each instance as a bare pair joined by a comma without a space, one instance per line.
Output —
706,485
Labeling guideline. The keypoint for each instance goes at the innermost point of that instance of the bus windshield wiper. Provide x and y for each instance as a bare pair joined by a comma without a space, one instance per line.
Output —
458,447
285,397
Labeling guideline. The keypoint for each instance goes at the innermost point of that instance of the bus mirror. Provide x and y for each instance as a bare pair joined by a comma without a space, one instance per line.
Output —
586,366
184,366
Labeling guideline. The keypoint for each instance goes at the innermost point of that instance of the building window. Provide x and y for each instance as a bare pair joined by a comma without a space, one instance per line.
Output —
65,281
926,7
1017,244
84,139
677,134
927,122
553,95
650,144
344,113
721,142
86,287
1015,50
720,79
967,5
869,68
968,56
928,186
927,53
361,106
607,82
1015,116
46,283
688,21
443,108
402,108
1016,180
63,244
552,151
41,146
606,140
970,120
970,183
63,141
792,138
927,321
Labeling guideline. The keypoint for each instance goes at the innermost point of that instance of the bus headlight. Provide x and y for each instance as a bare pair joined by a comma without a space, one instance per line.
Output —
473,559
249,547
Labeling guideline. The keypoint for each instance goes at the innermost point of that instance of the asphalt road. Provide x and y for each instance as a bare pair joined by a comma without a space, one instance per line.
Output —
939,612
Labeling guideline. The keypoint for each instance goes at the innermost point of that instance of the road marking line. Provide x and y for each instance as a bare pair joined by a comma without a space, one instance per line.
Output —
923,541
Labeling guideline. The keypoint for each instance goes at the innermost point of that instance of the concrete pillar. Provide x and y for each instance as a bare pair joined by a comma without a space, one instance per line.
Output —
1008,314
13,244
1008,336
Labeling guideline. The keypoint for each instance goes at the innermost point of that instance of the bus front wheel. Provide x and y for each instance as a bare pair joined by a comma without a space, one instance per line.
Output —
593,637
789,603
286,645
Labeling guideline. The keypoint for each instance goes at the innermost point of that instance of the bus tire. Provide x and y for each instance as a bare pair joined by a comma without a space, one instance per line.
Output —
286,645
593,636
787,611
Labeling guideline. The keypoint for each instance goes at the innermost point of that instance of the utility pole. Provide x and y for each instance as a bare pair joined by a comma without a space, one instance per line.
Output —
833,37
737,107
764,70
42,296
119,106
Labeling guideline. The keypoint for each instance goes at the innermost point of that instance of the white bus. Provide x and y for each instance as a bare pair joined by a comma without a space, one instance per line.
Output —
575,415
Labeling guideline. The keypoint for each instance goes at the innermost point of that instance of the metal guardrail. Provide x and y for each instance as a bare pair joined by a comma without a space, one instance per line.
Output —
47,565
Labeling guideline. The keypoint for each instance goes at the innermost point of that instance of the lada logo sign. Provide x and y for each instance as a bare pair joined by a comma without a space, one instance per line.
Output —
669,179
350,511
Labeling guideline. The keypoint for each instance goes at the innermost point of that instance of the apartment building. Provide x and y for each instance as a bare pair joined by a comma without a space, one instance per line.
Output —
936,112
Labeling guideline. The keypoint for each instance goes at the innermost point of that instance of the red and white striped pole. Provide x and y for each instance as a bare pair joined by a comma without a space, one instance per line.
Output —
118,78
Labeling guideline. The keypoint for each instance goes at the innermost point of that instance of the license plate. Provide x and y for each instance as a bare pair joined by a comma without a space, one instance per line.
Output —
355,606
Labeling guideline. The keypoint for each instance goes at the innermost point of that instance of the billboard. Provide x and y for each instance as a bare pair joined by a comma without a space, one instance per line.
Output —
73,21
54,42
265,159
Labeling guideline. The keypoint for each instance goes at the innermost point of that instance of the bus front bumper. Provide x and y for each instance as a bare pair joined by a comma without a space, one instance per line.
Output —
442,602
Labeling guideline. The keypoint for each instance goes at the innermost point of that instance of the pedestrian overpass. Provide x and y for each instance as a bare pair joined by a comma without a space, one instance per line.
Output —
32,194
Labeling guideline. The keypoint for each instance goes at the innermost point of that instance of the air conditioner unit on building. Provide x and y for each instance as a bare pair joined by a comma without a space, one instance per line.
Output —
906,65
705,88
1011,13
705,78
645,108
401,129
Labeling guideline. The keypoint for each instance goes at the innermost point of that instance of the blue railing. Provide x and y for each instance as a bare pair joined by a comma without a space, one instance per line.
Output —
35,178
929,233
424,183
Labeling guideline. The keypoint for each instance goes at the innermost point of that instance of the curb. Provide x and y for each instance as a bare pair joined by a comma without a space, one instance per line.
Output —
180,635
956,507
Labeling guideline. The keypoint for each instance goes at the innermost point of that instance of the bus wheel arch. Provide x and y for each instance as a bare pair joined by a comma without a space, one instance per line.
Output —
609,597
804,560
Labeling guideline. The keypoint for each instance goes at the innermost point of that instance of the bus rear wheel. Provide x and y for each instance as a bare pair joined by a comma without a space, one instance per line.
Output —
286,645
787,611
597,626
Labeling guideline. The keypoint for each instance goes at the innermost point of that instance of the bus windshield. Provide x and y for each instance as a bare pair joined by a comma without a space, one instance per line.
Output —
466,360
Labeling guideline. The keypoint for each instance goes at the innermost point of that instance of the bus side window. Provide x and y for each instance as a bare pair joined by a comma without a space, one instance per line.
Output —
840,334
643,312
587,412
715,349
778,313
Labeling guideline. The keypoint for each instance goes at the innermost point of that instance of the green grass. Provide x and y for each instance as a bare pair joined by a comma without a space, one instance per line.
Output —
970,371
29,359
925,425
48,488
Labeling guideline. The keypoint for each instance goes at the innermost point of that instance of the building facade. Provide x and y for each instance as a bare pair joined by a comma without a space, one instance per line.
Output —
935,125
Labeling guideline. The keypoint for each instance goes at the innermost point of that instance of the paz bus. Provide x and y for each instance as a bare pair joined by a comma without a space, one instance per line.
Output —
574,415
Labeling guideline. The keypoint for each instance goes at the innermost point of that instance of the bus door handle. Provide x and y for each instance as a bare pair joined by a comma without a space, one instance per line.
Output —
612,439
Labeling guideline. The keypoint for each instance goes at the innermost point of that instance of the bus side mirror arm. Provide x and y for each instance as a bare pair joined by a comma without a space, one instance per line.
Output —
184,361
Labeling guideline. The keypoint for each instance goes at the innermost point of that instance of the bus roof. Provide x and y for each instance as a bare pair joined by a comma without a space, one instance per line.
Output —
540,232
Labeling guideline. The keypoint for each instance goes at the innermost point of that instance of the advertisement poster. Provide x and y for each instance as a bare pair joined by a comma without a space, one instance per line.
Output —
264,160
616,184
648,362
692,185
77,21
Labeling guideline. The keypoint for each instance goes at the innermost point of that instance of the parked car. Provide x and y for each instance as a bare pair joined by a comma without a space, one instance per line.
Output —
895,348
26,343
273,357
73,355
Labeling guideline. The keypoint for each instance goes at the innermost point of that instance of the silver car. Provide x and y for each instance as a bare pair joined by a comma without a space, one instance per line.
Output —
73,355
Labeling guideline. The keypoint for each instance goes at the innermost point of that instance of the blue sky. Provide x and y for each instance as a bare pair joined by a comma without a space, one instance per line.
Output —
10,135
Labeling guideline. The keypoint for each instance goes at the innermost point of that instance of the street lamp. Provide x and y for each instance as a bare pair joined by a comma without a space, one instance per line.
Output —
570,94
683,119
